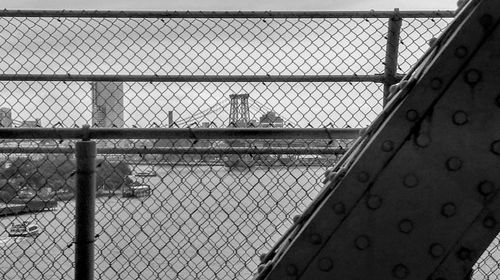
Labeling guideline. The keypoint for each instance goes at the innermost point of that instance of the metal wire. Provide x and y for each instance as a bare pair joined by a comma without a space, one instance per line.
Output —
157,90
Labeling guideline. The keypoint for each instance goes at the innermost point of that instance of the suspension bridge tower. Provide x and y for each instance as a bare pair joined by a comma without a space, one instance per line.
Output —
239,113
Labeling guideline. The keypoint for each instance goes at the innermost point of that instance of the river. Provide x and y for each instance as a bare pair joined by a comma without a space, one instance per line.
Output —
201,222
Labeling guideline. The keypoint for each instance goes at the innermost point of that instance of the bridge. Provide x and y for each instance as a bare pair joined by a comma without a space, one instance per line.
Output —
414,197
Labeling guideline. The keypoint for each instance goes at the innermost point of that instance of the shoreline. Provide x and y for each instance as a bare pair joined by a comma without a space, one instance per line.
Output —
34,206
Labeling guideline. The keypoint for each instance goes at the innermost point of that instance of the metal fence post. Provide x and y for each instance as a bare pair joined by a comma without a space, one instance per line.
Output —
391,54
85,209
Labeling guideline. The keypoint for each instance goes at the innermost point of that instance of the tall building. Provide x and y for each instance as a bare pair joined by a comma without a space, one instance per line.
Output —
5,117
107,104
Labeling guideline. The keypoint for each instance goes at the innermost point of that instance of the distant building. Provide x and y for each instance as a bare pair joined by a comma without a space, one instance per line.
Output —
253,123
5,117
271,119
108,109
32,123
107,104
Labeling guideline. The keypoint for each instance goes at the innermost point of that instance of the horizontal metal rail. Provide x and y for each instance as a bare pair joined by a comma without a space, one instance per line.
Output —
182,150
378,78
225,14
87,133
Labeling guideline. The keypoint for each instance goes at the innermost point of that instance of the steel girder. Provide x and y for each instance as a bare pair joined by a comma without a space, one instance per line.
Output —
417,196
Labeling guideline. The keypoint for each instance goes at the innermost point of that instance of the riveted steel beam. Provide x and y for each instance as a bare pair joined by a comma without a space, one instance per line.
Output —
417,197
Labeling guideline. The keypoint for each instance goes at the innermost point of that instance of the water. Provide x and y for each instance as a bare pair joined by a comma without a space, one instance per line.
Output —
202,222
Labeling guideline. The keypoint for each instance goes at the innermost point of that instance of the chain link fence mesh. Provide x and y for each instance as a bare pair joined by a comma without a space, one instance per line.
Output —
194,213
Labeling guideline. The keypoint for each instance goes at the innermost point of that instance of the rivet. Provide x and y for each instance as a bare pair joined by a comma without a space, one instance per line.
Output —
423,140
486,188
405,226
332,175
387,146
489,222
260,268
432,41
460,118
296,219
436,83
327,176
412,115
464,254
374,202
362,242
449,209
363,177
453,164
403,84
436,250
400,271
315,238
486,20
325,264
495,147
472,76
291,270
339,208
410,181
461,52
393,89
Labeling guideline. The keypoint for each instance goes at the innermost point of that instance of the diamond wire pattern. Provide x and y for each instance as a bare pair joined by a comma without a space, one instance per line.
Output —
414,39
203,220
192,46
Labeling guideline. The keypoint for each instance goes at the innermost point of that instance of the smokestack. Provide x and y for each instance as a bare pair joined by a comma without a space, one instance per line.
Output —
170,118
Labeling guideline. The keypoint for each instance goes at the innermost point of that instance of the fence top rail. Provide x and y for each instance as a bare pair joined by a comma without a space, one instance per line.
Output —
327,150
87,133
377,78
226,14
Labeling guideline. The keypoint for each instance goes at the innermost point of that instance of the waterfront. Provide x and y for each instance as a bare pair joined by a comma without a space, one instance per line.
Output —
201,222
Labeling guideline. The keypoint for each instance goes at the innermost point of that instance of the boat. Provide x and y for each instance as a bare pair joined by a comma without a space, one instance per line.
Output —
137,191
147,171
24,229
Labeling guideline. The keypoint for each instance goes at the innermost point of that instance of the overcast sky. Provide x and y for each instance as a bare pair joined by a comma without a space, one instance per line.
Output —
201,47
275,5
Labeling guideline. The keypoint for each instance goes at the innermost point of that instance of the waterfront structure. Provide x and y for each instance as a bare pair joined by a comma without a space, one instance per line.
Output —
107,104
5,117
271,119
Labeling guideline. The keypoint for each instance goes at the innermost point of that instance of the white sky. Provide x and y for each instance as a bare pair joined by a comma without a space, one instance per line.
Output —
275,5
45,48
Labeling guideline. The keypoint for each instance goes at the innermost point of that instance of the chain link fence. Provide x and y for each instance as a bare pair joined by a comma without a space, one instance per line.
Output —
191,207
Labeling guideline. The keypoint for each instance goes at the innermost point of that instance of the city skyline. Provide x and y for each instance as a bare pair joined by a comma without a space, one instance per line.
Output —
277,47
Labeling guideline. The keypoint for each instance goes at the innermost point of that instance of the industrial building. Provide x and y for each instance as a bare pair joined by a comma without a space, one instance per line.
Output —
107,104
